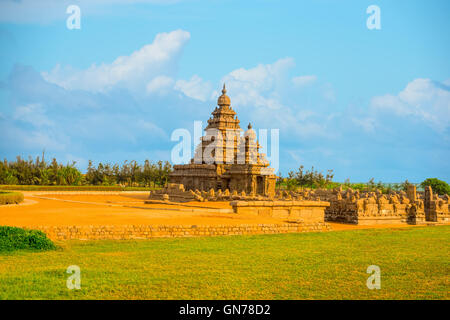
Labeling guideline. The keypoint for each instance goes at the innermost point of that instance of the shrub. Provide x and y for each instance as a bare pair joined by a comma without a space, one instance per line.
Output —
309,179
10,197
438,186
12,238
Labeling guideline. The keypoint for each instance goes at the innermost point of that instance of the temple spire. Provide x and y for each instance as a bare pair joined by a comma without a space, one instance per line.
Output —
224,100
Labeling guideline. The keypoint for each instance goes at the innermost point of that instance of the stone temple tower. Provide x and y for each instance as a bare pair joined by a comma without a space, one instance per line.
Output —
226,159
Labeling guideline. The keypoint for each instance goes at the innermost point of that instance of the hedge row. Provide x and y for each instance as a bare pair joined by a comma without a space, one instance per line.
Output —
73,188
10,197
12,238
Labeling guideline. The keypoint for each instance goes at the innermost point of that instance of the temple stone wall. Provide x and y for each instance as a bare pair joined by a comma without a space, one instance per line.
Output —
304,211
367,208
134,232
176,193
437,208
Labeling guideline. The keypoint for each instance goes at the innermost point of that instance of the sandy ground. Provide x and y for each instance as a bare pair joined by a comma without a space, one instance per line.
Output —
127,208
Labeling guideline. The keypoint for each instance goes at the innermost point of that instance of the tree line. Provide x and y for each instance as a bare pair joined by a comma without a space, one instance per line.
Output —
313,179
41,172
156,174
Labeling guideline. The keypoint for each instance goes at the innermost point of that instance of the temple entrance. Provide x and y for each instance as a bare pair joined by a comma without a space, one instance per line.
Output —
225,184
259,185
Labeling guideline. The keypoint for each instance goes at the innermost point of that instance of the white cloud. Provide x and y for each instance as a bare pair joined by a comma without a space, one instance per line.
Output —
42,140
302,81
151,128
195,88
368,124
25,139
258,86
328,93
32,113
258,91
160,84
133,71
264,95
422,98
304,114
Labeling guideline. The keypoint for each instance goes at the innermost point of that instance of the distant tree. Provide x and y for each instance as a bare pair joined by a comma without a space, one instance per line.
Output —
438,186
309,178
404,186
371,184
164,172
291,182
89,177
39,172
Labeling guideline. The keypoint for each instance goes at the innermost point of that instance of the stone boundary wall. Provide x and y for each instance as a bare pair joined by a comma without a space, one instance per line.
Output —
373,220
369,211
129,232
305,211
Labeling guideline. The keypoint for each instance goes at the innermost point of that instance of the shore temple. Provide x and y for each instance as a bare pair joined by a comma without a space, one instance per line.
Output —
225,159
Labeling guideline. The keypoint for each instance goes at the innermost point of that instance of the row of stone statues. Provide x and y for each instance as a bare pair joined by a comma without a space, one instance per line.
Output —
353,206
176,193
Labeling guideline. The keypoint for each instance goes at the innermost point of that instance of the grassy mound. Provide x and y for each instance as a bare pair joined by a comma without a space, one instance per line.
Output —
12,238
10,197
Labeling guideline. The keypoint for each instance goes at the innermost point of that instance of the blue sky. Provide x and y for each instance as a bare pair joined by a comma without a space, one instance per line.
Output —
365,103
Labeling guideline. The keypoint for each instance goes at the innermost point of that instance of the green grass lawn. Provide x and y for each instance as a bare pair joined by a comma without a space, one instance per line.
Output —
414,264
